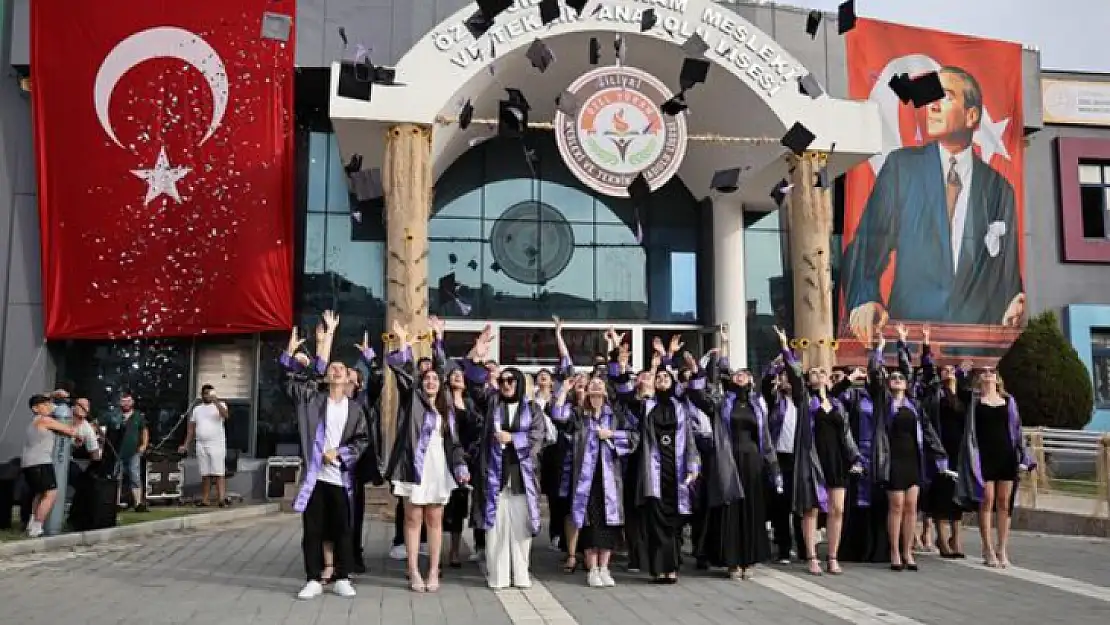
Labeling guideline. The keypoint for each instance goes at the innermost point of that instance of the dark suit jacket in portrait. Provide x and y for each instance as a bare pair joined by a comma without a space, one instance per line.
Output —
907,212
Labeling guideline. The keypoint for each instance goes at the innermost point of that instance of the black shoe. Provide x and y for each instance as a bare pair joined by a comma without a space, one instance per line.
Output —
141,508
897,567
911,567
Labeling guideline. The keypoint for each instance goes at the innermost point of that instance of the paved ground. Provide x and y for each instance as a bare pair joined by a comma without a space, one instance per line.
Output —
249,573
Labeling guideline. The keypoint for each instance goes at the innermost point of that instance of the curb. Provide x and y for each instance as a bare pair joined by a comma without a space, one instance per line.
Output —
1053,522
136,530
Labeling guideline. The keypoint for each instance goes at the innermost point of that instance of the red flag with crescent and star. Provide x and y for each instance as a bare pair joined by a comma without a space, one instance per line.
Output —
164,140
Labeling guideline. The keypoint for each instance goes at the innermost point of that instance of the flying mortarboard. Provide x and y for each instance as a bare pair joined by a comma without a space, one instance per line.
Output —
813,23
466,115
695,46
549,11
639,190
921,90
798,138
540,56
577,5
648,20
693,72
595,51
675,105
726,180
778,193
808,85
567,103
846,16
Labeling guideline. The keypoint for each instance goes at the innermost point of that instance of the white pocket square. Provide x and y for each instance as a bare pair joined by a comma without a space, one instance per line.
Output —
993,238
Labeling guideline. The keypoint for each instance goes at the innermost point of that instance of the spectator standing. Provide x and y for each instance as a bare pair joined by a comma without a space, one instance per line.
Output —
129,427
206,427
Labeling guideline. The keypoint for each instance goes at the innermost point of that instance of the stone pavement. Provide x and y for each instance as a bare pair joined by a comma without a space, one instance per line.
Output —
247,573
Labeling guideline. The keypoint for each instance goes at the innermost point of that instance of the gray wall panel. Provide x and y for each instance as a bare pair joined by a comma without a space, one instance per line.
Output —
790,33
310,32
1032,107
27,370
24,277
20,36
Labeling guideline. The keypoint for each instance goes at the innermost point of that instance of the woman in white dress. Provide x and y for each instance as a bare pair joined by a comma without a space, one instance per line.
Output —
427,462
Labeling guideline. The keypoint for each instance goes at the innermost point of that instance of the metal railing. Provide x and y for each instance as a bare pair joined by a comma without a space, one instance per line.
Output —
1073,471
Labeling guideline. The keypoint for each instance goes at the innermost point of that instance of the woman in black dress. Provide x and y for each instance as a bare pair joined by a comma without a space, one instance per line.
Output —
904,440
469,424
992,455
824,455
741,471
945,399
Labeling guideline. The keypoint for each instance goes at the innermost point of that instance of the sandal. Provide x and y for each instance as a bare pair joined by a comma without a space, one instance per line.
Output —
416,583
833,566
570,565
329,578
814,566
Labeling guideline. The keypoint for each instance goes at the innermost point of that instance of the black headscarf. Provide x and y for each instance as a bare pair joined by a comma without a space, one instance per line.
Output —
518,391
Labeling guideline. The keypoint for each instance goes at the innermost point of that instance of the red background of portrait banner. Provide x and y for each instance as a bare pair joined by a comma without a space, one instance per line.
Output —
871,47
219,261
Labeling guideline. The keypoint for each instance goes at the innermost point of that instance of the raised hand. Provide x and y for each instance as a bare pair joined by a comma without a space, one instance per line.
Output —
902,332
691,362
676,344
783,341
558,324
656,360
365,344
618,339
925,334
657,346
331,321
624,354
880,340
321,333
437,325
295,342
401,333
722,331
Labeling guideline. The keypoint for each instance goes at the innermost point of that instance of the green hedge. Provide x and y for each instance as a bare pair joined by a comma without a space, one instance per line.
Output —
1045,375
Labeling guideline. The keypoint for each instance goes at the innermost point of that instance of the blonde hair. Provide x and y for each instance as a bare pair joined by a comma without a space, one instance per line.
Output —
529,390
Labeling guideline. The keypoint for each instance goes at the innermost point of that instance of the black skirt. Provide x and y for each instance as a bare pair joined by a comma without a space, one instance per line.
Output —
596,534
905,461
830,449
736,534
456,511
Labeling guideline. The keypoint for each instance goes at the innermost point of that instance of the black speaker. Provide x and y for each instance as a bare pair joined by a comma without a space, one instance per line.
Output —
94,503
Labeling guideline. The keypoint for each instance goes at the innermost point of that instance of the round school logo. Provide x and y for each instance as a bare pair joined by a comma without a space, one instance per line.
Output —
619,131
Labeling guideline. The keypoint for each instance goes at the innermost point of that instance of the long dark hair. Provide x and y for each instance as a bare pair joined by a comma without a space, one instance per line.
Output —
441,402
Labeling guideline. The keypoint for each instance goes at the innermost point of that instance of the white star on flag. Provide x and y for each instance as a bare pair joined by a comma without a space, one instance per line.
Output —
989,137
162,178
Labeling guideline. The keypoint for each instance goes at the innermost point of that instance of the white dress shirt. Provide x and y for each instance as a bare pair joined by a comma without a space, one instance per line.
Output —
785,443
334,424
964,161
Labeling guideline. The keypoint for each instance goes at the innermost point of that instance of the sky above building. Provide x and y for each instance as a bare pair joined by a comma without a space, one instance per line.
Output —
1070,34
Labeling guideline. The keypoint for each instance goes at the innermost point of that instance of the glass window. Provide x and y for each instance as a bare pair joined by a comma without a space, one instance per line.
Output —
536,346
1090,174
621,274
768,290
1100,359
318,155
1093,202
691,342
455,277
684,286
574,204
457,343
570,292
277,422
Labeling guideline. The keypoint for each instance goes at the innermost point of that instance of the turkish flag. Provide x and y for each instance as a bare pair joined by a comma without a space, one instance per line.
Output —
164,137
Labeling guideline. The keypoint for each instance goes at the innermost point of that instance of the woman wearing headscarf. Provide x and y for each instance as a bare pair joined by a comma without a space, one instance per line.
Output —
945,398
905,444
602,436
825,454
991,458
427,460
742,470
507,497
668,465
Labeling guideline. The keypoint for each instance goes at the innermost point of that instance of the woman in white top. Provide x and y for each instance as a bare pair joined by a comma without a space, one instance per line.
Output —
427,457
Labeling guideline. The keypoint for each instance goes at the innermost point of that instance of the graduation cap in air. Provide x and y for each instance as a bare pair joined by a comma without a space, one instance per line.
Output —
367,184
648,20
675,105
778,193
845,16
488,10
813,23
567,103
695,46
448,290
357,77
693,72
540,56
577,5
726,180
640,192
466,115
808,85
512,114
922,90
549,11
798,138
595,51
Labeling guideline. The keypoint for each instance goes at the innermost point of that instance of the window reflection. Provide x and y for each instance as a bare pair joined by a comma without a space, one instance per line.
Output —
691,341
767,284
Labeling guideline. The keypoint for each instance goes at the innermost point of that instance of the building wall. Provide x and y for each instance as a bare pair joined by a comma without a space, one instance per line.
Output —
25,364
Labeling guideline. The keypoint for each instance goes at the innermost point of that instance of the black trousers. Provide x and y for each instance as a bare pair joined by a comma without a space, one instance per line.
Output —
359,519
399,526
327,518
783,519
558,509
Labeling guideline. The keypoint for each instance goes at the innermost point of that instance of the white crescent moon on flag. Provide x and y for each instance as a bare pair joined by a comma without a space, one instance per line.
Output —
161,42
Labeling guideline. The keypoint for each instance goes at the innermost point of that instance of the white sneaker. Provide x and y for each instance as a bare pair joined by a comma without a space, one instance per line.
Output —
398,552
343,588
606,578
478,556
34,529
311,590
593,579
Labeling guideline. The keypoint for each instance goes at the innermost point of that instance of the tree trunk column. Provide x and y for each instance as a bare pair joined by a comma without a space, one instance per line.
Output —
408,186
810,221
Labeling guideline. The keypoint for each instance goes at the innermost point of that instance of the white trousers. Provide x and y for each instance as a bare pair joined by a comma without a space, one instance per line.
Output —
509,543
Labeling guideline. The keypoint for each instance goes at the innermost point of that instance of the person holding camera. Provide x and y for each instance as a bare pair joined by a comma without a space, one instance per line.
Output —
206,427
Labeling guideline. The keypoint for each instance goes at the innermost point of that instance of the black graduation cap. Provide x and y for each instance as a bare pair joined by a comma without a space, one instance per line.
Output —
695,46
512,115
356,78
927,89
466,115
577,5
675,105
902,86
516,96
367,184
540,56
781,188
595,51
798,138
492,8
478,24
639,190
549,11
567,103
726,180
648,20
693,72
846,16
808,85
448,290
813,22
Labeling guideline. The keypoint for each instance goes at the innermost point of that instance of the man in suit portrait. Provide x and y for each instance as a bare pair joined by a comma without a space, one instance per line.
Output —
951,221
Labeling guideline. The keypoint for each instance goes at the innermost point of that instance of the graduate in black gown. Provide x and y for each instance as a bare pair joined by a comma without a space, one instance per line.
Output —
905,449
742,470
945,398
